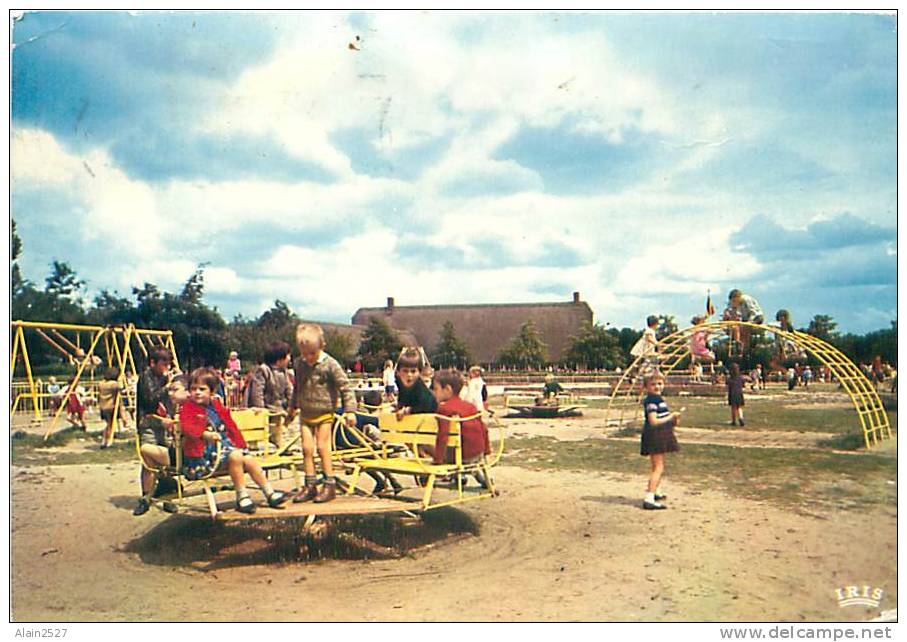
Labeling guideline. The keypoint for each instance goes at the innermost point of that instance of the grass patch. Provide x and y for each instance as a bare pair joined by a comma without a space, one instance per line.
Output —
69,446
778,412
788,477
846,441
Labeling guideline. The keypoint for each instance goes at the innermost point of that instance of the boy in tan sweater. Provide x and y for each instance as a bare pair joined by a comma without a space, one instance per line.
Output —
320,381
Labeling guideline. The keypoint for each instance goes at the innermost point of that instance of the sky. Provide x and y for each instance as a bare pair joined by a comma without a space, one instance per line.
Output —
331,160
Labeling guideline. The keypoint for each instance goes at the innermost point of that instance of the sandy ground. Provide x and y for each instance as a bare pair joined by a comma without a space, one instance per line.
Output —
554,546
594,425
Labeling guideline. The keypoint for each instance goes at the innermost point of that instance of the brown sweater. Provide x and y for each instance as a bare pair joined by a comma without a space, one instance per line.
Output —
318,387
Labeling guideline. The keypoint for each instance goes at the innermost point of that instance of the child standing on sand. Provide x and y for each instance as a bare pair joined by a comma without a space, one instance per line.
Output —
657,437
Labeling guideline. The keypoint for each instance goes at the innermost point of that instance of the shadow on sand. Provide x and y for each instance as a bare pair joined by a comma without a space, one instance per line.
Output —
621,500
197,542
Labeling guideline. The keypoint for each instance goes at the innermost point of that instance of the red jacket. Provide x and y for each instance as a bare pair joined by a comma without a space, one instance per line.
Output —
473,433
194,421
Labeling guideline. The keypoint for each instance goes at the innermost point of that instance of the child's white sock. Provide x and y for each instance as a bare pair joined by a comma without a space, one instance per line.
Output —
241,492
266,489
650,498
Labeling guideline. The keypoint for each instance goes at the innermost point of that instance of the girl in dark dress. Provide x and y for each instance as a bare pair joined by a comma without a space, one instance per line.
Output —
657,436
735,384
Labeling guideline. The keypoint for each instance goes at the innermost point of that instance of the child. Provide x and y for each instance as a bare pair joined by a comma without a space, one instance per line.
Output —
735,384
390,389
156,398
233,363
745,308
476,391
657,436
756,377
552,389
55,391
108,393
428,375
699,349
75,408
320,380
446,387
205,421
269,387
647,345
413,396
807,376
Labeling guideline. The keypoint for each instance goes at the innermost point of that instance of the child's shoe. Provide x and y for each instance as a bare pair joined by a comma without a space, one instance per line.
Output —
245,505
142,507
659,498
328,493
307,494
277,498
653,506
741,423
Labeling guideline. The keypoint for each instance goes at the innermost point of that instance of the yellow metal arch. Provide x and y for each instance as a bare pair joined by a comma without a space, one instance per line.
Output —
675,348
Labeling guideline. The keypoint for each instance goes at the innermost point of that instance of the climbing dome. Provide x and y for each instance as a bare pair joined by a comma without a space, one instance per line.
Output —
674,349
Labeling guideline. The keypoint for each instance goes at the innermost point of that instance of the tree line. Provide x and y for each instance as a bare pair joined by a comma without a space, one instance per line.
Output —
203,337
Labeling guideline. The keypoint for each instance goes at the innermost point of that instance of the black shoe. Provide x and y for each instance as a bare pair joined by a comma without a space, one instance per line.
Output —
245,505
653,506
659,498
741,423
142,507
277,498
170,507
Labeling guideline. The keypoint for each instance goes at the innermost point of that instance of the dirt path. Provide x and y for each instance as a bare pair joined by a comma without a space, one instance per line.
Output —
555,546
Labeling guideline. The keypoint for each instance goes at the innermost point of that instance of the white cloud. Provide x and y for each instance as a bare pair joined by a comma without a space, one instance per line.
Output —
691,265
109,202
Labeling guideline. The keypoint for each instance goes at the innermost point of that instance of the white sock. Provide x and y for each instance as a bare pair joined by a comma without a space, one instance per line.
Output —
241,492
267,490
650,498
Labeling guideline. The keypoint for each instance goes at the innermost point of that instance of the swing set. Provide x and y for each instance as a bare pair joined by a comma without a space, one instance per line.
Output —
85,347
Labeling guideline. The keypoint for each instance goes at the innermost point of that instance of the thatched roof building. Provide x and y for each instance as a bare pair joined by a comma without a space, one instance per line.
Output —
354,332
485,328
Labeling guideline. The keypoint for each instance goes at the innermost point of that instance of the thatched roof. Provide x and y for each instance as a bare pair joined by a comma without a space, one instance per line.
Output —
486,328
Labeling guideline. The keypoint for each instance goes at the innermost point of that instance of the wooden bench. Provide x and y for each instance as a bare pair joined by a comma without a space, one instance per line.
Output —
399,452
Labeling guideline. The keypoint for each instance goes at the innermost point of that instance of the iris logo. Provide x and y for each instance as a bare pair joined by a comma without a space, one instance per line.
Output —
859,596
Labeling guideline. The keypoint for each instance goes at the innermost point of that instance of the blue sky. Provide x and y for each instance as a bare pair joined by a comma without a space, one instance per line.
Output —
640,159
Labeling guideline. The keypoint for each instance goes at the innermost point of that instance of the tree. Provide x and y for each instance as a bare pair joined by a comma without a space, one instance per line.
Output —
251,337
147,292
627,338
63,282
666,326
451,351
823,327
16,283
195,285
199,332
278,316
112,309
339,346
379,343
593,347
526,349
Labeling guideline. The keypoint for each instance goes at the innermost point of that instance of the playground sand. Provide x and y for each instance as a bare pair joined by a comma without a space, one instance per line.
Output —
555,546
